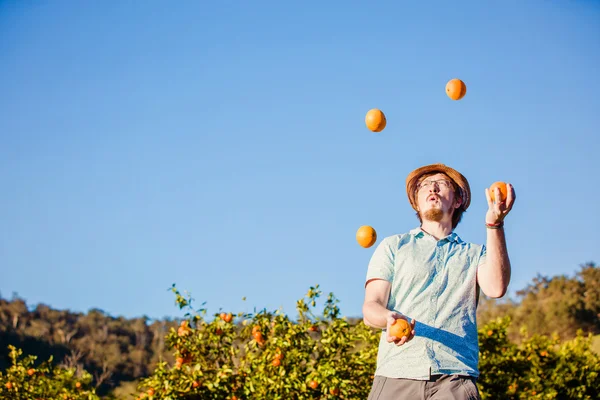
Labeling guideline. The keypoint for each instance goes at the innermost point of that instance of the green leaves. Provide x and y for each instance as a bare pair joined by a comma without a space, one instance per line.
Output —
268,355
538,367
21,381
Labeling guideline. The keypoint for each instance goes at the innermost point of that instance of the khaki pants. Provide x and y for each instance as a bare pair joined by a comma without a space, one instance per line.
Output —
439,387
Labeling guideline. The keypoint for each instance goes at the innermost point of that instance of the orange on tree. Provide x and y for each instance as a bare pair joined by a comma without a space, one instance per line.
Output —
184,329
503,191
151,392
366,236
375,120
400,328
276,362
456,89
227,317
182,332
313,384
30,371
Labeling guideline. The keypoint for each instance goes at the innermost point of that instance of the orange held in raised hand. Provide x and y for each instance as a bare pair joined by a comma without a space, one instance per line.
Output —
375,120
400,328
366,236
503,191
456,89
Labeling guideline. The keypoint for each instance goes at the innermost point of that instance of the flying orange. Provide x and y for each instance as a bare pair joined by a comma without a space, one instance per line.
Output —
366,236
375,120
456,89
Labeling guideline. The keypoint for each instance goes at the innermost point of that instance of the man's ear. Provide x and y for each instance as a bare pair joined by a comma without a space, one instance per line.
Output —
458,201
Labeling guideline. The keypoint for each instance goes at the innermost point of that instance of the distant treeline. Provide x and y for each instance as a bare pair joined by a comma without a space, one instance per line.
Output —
118,351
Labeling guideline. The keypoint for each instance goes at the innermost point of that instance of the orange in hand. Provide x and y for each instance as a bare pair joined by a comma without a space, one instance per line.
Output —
366,236
456,89
503,191
375,120
400,328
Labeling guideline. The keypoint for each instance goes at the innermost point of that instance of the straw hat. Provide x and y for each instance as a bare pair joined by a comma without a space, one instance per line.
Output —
457,177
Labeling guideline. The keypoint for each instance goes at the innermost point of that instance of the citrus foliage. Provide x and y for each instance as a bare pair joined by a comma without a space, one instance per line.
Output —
21,381
541,367
267,355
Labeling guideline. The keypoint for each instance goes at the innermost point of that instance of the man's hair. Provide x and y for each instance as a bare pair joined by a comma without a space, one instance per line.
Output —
456,212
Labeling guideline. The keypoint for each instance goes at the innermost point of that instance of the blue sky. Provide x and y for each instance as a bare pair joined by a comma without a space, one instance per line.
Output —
221,146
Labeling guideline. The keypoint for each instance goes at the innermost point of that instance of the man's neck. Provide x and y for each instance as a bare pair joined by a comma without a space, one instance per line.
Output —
438,230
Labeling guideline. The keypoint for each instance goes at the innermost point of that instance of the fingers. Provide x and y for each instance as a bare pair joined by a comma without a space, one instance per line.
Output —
405,339
510,196
402,341
488,197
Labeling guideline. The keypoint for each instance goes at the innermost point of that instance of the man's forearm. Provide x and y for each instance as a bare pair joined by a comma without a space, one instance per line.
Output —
496,276
375,315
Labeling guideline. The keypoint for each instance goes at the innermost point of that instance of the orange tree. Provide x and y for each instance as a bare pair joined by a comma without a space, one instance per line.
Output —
21,381
540,367
266,355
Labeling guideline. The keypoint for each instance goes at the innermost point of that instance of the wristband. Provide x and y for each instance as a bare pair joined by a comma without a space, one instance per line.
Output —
494,226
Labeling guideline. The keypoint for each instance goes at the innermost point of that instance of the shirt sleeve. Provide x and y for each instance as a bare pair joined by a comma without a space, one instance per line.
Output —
482,255
381,265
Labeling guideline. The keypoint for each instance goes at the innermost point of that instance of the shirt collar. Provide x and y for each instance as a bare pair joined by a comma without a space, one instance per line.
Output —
418,232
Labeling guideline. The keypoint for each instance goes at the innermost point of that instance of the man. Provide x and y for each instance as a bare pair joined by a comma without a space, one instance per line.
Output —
432,278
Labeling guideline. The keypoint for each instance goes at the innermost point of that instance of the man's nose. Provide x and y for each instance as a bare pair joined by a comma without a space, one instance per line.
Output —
434,187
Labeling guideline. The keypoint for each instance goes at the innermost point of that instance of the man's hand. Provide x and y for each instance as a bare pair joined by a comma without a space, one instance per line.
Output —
393,316
498,210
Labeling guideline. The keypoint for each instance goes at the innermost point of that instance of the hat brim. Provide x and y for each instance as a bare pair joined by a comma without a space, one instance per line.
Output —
457,177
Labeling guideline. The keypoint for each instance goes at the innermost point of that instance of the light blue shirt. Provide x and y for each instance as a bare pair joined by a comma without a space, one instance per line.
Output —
434,282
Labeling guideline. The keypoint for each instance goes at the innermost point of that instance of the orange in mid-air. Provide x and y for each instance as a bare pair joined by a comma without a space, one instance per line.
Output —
400,328
375,120
503,191
456,89
366,236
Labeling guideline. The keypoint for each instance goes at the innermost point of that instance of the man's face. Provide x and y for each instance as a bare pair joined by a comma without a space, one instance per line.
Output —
436,198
